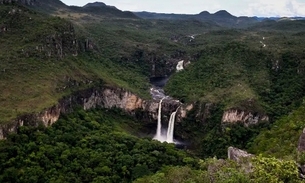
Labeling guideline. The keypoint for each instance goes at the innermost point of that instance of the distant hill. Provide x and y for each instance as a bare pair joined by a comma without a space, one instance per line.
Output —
105,11
57,7
222,18
98,4
223,14
95,4
102,9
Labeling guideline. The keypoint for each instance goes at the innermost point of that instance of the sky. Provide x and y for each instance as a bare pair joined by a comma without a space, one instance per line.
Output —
261,8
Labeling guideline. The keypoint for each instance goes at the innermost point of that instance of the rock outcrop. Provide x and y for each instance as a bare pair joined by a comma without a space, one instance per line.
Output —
301,143
301,151
248,118
237,154
184,110
243,158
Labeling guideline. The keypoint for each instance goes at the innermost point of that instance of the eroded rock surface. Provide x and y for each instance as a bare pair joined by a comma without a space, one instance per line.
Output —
237,155
248,118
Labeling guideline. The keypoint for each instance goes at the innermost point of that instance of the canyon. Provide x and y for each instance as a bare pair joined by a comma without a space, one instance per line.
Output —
112,97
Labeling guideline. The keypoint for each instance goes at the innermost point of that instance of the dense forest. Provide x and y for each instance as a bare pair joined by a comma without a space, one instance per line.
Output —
96,146
84,146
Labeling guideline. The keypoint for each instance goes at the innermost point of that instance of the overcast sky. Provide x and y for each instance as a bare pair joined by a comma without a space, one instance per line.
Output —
236,7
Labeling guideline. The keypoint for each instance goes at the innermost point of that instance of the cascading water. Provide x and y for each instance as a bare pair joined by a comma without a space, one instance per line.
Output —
159,127
169,137
171,125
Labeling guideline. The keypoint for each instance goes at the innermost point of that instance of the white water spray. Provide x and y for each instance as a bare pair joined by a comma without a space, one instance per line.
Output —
171,125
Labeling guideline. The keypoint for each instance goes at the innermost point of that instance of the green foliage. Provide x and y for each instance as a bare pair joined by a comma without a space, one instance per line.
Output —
171,175
287,85
301,158
274,170
222,74
235,73
83,147
258,169
282,138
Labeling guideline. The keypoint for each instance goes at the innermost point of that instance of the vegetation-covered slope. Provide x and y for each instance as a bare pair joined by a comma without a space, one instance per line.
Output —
281,140
259,72
236,72
43,58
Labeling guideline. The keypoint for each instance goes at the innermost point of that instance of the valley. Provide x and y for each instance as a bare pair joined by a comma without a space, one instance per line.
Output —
96,94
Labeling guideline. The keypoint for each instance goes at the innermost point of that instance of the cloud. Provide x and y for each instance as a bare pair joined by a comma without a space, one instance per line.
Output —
236,7
275,8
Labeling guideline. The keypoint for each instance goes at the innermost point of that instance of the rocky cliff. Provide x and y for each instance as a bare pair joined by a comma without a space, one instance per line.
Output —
107,97
248,118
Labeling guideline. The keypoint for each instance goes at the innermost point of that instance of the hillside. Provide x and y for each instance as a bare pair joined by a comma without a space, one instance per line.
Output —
43,59
238,73
234,73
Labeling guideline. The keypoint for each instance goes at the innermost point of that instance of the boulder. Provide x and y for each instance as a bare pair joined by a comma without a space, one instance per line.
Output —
237,154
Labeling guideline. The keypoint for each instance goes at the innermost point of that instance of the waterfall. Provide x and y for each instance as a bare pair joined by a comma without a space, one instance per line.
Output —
179,66
171,125
169,137
159,127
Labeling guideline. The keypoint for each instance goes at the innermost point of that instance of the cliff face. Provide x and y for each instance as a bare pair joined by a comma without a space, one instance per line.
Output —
248,118
184,110
105,97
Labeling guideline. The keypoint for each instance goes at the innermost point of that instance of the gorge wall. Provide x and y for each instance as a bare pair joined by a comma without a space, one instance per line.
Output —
111,97
107,97
246,117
